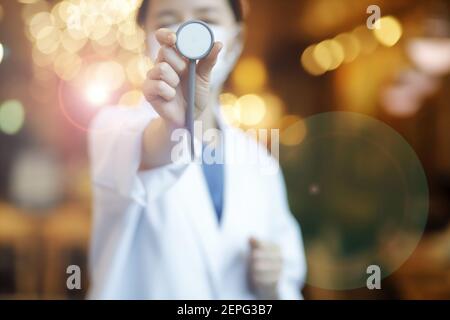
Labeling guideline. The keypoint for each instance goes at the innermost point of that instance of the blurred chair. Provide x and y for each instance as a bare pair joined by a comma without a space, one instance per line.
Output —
66,233
19,264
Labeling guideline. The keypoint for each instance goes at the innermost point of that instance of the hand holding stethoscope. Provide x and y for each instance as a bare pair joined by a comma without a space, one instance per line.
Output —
178,85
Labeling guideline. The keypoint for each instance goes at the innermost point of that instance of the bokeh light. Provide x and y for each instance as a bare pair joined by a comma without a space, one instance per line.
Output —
275,109
390,31
252,109
32,8
329,54
39,22
309,62
48,39
250,75
12,116
366,38
346,47
322,56
95,45
350,45
431,55
137,68
72,43
134,42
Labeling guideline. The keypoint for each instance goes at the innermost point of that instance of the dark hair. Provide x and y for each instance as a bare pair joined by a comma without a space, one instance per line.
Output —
236,6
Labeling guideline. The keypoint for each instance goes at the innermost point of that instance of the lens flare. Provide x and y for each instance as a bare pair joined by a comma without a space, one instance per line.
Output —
97,94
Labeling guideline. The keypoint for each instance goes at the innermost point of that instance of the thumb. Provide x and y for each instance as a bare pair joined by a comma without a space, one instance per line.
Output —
205,65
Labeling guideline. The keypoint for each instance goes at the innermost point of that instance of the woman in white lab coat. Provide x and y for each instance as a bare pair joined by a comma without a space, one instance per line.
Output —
166,228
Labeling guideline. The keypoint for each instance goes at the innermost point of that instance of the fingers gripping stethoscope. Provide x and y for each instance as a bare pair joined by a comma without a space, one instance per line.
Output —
194,41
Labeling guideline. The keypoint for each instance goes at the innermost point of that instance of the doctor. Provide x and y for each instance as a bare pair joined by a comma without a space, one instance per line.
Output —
171,229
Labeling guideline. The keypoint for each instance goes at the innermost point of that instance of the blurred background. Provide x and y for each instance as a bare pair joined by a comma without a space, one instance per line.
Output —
62,61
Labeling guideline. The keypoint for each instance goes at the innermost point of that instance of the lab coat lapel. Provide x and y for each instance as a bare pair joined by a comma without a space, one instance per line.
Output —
203,218
230,216
202,215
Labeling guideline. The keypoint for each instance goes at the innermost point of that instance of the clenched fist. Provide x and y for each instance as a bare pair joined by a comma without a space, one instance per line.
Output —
265,268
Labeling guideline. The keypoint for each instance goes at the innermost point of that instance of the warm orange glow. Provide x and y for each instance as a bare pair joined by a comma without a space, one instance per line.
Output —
250,75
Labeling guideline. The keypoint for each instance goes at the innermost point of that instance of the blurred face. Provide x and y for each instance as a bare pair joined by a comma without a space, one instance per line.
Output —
218,14
166,13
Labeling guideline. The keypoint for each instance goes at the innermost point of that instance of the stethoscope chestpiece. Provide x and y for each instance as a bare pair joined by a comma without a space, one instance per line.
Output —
195,40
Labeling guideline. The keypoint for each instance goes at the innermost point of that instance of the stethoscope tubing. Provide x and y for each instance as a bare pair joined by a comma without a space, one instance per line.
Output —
192,72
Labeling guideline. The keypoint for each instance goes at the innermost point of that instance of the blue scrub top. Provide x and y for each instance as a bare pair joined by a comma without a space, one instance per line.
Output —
214,175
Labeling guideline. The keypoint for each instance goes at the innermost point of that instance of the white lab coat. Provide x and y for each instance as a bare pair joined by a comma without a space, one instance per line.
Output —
155,233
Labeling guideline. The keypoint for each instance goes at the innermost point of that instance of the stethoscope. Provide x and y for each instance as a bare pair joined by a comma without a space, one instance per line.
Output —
194,41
